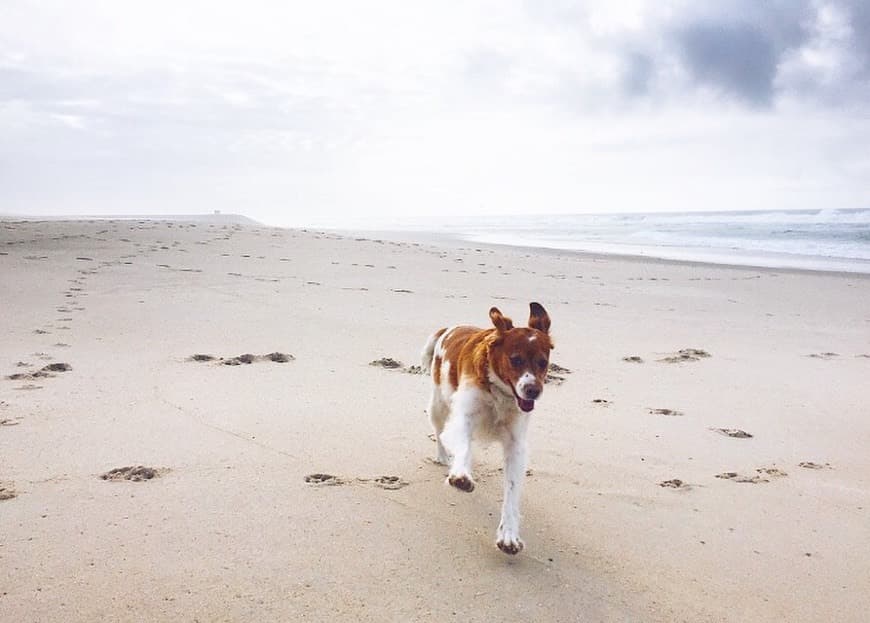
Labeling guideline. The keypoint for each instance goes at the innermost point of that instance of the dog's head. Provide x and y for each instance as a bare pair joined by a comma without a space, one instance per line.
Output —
520,357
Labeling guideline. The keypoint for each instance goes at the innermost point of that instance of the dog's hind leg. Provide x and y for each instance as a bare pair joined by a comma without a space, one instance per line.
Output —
438,411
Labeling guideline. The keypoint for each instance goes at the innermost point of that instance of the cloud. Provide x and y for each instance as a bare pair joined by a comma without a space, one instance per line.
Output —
858,16
637,74
811,53
429,106
740,59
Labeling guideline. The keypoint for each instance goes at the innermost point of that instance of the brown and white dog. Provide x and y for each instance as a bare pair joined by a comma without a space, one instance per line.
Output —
486,382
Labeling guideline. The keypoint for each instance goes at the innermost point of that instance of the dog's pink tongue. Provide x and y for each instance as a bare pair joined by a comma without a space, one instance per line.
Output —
526,405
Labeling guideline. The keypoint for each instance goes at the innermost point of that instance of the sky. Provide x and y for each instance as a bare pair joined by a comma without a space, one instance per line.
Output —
295,113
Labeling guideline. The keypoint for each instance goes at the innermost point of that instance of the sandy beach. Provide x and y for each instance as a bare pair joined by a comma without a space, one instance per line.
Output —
704,456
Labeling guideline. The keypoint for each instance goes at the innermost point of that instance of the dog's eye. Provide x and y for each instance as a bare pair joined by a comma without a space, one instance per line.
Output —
516,361
542,363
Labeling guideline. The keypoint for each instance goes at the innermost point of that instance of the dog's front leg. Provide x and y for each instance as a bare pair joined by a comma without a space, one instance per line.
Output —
457,438
508,535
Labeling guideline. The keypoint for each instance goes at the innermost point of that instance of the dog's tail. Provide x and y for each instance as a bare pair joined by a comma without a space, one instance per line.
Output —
429,351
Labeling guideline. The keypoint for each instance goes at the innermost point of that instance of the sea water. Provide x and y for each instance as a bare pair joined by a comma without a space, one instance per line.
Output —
834,240
837,240
811,239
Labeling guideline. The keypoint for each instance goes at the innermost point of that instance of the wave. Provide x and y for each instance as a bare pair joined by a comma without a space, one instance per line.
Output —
804,238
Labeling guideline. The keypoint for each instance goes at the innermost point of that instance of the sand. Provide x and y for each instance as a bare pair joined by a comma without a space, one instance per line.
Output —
255,487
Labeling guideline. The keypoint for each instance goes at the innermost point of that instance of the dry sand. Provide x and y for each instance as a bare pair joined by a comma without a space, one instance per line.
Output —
637,507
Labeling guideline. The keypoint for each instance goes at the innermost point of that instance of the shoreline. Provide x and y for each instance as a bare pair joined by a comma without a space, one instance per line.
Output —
456,241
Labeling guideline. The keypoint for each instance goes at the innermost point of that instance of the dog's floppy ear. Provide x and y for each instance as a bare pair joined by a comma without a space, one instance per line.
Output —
539,319
502,323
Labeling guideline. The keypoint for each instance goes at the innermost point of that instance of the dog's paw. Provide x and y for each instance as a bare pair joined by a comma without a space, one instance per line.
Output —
510,546
508,540
461,482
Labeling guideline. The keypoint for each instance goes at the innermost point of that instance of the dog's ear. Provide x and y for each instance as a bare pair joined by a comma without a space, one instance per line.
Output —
502,323
539,319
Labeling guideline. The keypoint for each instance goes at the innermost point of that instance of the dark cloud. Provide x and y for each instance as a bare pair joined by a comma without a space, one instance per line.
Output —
752,51
757,54
739,59
734,47
858,12
737,47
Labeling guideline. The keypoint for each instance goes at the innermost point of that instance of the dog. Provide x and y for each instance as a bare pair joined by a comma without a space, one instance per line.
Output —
485,384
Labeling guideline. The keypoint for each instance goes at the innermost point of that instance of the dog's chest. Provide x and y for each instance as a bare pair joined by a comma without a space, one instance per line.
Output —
496,414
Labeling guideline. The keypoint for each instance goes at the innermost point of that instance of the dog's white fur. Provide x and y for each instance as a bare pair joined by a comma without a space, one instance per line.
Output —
491,414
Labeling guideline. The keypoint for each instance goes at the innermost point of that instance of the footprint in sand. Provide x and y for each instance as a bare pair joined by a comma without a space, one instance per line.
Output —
45,372
733,432
134,473
279,357
825,356
633,359
389,482
812,465
386,362
556,374
601,401
247,358
686,354
763,474
675,483
670,412
7,491
773,472
323,480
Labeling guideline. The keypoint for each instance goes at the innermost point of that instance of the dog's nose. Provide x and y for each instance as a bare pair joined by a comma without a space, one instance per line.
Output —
533,392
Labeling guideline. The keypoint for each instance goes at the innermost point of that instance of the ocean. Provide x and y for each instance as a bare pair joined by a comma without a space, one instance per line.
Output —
833,240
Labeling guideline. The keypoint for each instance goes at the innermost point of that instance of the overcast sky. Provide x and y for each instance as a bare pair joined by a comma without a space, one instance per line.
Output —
291,112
